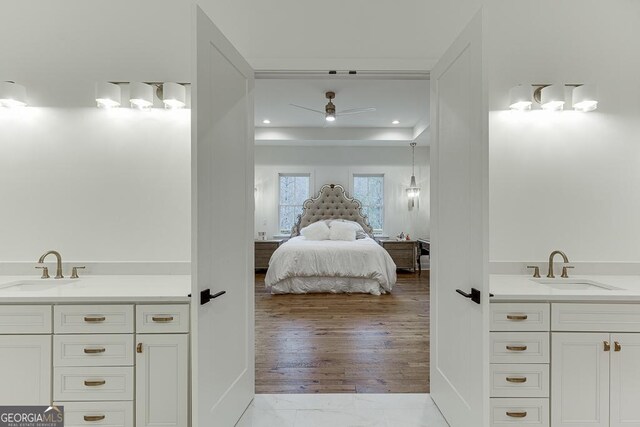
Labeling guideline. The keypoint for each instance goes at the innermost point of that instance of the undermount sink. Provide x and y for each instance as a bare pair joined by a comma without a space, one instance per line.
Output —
33,285
575,284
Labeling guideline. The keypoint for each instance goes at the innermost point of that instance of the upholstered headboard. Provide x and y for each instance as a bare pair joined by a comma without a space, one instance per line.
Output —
331,202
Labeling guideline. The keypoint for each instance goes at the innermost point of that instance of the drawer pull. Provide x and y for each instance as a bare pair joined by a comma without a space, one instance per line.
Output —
517,379
95,319
517,316
521,414
94,417
606,345
616,346
517,347
162,319
139,348
94,350
94,383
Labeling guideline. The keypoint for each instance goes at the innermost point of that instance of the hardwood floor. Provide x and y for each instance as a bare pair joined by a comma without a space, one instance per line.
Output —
326,343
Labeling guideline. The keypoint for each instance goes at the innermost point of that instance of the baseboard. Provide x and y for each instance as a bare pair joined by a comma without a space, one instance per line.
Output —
20,268
581,268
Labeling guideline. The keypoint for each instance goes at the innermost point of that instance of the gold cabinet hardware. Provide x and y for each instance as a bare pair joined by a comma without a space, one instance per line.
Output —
536,270
94,417
96,319
161,319
518,380
517,347
607,346
94,383
94,350
616,346
517,317
139,348
520,414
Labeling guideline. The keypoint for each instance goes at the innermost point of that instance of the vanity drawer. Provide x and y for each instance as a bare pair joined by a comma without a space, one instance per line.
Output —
162,318
104,414
519,380
520,317
25,319
93,383
520,412
93,319
93,350
519,347
595,317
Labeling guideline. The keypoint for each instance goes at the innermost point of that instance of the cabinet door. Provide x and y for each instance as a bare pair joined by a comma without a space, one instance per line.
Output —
162,380
580,379
625,380
25,369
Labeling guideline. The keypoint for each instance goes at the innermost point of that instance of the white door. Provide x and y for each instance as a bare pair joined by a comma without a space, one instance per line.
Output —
162,372
459,240
625,380
580,379
222,221
25,369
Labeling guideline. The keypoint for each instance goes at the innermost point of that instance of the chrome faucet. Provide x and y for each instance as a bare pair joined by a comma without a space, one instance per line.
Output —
553,254
58,263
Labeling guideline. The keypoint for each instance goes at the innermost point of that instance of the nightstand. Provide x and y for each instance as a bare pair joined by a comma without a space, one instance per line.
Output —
403,252
263,249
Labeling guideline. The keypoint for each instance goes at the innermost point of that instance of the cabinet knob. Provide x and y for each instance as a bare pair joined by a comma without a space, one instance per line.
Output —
616,346
607,346
139,348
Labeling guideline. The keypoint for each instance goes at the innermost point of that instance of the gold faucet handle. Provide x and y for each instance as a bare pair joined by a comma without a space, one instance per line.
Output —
565,274
74,271
536,270
45,272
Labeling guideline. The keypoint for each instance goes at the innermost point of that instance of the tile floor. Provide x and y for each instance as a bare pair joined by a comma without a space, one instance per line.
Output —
342,410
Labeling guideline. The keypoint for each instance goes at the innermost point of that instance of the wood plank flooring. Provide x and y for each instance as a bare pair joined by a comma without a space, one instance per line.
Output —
326,343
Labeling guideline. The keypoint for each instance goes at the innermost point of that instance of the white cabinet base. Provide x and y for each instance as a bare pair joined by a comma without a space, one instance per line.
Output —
25,369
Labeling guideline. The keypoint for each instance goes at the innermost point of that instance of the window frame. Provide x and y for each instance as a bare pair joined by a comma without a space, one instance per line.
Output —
354,175
278,204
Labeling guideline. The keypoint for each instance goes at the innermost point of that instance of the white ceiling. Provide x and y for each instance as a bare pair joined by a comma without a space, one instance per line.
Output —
404,100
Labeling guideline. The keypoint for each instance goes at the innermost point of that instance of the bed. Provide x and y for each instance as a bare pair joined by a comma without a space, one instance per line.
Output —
304,266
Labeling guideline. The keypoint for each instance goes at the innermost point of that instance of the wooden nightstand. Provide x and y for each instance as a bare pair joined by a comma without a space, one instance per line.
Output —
263,249
403,252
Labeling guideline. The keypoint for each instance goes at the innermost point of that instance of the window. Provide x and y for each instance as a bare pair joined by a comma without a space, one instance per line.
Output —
369,189
294,190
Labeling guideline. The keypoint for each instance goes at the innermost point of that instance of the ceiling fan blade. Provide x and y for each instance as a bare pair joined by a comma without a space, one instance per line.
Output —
305,108
355,111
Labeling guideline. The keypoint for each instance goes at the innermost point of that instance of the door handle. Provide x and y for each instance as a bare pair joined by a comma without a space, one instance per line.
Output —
474,296
206,296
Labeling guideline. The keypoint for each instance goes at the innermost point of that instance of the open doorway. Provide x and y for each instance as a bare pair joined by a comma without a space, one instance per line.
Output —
317,333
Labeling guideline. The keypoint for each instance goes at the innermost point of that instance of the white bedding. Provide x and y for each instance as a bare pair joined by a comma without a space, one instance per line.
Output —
334,266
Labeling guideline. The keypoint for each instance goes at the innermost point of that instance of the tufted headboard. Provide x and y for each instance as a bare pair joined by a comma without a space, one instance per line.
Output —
331,202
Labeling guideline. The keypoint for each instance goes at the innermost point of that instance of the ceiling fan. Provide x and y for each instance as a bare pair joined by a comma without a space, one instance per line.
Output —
330,113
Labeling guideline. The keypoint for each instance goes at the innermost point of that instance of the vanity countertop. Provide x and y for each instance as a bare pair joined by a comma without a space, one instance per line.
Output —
523,288
96,289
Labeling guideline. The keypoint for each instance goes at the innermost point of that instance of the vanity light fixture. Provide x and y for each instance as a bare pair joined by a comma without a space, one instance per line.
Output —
266,121
12,95
520,98
140,95
107,95
552,97
413,191
585,97
174,95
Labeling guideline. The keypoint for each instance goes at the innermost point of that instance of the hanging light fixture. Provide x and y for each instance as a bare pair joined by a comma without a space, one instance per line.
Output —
12,95
107,95
413,191
140,95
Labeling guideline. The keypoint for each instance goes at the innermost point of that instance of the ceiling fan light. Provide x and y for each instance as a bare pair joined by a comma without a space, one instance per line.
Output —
330,117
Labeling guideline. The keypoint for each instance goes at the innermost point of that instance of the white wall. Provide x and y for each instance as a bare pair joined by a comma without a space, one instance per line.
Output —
335,165
565,180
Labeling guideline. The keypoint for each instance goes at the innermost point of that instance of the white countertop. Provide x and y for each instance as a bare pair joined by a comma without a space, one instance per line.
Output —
524,288
96,289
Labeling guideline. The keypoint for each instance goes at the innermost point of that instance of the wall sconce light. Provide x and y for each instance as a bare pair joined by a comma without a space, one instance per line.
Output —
107,95
552,97
12,95
585,97
520,98
173,95
140,95
413,191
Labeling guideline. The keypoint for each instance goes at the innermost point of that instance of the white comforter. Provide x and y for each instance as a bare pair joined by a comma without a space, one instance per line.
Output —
359,259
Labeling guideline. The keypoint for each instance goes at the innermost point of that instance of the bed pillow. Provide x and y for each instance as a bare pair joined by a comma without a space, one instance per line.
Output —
360,233
316,231
342,231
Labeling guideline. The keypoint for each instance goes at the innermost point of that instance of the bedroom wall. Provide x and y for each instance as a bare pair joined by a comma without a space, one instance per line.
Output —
334,165
565,180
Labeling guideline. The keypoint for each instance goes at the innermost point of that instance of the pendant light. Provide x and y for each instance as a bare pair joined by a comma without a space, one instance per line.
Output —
413,191
12,95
